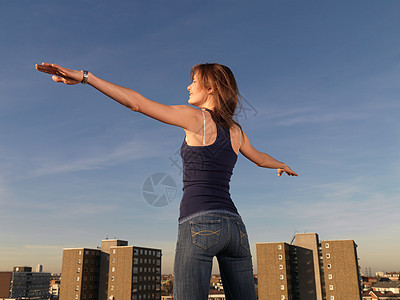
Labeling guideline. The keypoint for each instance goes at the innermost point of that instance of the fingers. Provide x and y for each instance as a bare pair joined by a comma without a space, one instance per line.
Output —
58,79
289,172
47,68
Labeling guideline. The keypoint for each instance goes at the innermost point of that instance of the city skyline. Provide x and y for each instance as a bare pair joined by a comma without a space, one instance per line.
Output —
320,83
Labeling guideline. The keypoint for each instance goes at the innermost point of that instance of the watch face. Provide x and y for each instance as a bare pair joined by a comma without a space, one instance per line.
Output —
85,76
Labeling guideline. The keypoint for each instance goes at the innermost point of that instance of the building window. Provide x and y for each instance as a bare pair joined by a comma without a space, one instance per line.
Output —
281,277
87,252
76,297
331,287
329,266
282,287
78,270
279,247
112,269
112,288
79,261
329,276
113,251
279,256
77,288
328,255
332,297
326,245
112,278
280,267
283,297
77,278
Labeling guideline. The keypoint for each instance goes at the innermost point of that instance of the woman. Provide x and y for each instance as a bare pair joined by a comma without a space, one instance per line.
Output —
209,224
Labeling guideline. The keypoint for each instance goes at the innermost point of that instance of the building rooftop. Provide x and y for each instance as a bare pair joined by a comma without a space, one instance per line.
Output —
386,284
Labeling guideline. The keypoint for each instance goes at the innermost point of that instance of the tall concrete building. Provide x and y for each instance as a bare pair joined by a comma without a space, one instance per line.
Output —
134,273
23,283
308,269
340,269
39,268
116,271
80,273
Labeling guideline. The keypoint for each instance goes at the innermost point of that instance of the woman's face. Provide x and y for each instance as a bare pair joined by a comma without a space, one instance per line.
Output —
197,95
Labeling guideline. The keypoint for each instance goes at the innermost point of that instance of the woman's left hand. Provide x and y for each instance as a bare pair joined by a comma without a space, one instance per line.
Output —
287,170
61,74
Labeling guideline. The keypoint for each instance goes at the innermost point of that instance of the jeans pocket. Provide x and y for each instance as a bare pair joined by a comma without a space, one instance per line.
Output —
205,234
244,239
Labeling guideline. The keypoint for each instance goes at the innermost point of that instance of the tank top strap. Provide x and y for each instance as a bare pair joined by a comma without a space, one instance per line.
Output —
204,128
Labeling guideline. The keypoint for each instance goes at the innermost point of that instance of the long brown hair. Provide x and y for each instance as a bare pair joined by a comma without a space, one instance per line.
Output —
220,78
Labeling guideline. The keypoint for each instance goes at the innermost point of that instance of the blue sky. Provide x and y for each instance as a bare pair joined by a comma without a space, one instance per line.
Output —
321,86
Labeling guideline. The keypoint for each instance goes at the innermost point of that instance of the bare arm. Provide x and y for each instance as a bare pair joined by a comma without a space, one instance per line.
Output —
178,115
262,159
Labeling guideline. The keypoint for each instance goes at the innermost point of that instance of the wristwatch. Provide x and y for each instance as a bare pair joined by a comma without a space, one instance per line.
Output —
85,76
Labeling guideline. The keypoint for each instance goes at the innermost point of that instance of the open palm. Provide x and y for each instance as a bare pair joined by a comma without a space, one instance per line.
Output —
61,74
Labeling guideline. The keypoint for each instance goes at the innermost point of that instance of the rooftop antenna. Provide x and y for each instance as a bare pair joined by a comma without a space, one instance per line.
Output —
293,238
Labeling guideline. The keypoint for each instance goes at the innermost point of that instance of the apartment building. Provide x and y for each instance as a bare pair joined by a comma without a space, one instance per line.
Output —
308,269
23,283
135,273
80,273
116,271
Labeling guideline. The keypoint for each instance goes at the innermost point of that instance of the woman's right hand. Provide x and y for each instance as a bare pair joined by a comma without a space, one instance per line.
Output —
61,74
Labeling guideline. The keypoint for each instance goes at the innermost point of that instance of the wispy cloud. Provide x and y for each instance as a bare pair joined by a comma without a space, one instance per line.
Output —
124,152
49,247
320,117
285,116
346,209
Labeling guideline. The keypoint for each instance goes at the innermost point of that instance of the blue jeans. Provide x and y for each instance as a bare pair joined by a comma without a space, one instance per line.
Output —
200,239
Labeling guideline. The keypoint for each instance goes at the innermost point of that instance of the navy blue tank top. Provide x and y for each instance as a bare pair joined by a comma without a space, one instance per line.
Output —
207,171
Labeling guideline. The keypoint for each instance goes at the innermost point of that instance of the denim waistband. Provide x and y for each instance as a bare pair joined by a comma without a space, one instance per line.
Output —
220,213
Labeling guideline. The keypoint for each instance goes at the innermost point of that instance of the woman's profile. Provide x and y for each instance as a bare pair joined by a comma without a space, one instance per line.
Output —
209,223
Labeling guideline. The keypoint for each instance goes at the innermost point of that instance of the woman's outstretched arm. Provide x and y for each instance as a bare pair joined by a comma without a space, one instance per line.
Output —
262,159
178,115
